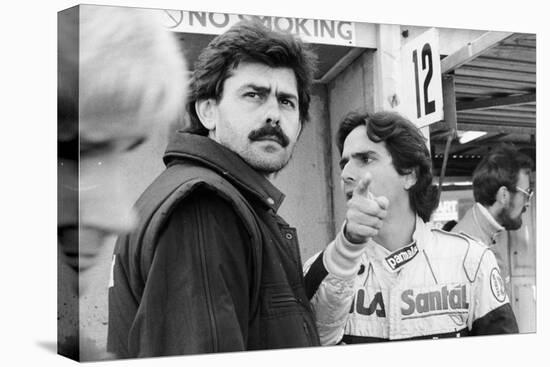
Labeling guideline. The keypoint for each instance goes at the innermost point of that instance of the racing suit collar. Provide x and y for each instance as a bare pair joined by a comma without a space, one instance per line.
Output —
205,151
421,231
394,261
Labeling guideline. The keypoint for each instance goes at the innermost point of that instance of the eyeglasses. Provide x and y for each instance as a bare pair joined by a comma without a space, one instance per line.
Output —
528,192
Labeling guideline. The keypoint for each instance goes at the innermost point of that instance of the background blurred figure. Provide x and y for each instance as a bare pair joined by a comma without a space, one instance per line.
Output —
120,76
502,192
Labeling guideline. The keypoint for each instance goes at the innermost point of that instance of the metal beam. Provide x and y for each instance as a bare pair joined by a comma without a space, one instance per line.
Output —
472,50
495,102
513,53
507,114
496,120
496,74
460,148
449,103
341,65
477,149
503,65
496,128
481,90
519,85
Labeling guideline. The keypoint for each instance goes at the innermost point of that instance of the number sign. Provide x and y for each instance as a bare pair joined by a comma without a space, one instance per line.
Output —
421,77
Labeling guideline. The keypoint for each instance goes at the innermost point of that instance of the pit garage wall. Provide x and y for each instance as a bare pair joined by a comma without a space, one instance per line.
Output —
351,91
306,181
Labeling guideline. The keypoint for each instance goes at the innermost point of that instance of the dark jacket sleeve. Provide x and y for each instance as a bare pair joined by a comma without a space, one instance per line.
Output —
492,307
499,321
196,296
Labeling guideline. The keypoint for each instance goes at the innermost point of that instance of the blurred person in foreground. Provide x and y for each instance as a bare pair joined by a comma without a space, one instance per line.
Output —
120,76
389,275
502,191
211,267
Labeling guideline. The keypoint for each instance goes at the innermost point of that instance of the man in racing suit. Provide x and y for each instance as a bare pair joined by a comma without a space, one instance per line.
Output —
388,275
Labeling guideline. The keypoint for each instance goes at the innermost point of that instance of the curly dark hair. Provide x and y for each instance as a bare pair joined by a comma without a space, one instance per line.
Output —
407,148
499,168
249,41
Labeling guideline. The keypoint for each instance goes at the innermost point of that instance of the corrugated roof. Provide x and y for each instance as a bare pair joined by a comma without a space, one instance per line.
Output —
496,93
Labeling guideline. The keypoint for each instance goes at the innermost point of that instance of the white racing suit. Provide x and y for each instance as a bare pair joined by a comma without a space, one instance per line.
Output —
441,285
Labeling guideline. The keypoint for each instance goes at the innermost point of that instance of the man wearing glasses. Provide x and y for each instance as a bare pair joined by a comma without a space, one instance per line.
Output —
502,193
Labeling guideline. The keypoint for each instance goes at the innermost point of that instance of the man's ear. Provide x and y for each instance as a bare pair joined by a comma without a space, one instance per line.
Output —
410,179
207,112
503,195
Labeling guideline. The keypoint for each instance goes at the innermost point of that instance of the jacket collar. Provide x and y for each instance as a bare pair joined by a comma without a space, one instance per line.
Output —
489,227
206,152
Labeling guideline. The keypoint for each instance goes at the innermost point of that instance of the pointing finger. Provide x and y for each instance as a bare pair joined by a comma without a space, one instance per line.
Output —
362,187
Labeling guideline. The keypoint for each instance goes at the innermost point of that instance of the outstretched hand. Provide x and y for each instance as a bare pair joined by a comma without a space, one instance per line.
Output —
365,212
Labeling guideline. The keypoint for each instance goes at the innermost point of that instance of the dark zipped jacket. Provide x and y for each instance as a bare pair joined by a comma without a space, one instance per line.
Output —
211,267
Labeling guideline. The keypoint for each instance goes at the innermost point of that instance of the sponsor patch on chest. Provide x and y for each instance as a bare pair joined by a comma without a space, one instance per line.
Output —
448,299
366,304
402,256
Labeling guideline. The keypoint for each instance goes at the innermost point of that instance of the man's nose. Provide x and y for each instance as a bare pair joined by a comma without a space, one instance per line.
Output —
272,111
348,174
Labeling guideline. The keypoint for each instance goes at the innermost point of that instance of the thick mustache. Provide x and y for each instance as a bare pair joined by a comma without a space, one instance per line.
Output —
272,132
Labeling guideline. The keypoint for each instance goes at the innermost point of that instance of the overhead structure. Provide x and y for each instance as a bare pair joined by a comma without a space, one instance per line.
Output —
495,92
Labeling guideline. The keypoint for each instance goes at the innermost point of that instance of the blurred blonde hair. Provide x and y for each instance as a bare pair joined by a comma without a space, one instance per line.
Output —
131,70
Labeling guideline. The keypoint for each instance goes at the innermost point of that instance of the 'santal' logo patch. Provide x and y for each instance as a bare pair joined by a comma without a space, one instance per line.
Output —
402,256
436,300
497,285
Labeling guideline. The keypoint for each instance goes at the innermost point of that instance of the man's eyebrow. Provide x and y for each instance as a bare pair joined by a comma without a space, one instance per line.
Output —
287,95
256,87
357,155
343,162
365,154
266,90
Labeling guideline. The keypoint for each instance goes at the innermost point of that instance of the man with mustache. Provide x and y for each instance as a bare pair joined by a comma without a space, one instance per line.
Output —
211,267
502,192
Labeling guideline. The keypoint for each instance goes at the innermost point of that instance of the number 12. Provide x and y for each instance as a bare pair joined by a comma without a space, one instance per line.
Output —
429,106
